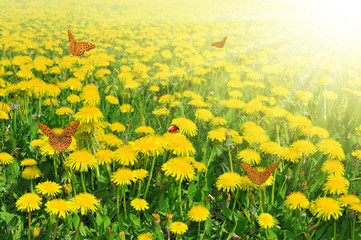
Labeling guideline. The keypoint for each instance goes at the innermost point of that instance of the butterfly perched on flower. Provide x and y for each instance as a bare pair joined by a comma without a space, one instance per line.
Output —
78,48
259,177
219,44
60,142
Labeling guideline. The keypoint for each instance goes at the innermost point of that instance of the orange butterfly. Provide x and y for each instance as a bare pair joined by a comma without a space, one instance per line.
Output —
259,177
78,48
219,44
60,142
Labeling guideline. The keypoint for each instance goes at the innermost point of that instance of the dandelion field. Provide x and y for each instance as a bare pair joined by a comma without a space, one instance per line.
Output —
284,89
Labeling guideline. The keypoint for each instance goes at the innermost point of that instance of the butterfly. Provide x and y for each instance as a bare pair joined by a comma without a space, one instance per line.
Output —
259,177
60,142
219,44
78,48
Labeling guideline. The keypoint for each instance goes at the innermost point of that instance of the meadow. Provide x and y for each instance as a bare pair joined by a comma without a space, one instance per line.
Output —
280,91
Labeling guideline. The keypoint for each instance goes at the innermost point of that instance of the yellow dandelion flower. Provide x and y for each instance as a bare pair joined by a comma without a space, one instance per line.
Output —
178,144
161,112
299,122
198,213
89,114
199,166
204,115
110,140
48,188
304,147
291,154
357,154
325,208
186,126
84,202
348,199
254,134
139,204
59,207
228,181
104,156
148,145
28,202
3,115
356,207
178,228
249,156
140,173
336,184
180,168
125,155
90,95
117,127
332,166
219,121
73,98
144,130
154,88
145,236
266,220
112,99
315,131
125,108
81,160
28,162
272,148
64,111
123,176
296,200
31,173
6,158
332,148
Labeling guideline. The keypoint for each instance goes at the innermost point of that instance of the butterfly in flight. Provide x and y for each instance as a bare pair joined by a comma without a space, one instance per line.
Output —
78,48
60,142
220,44
259,177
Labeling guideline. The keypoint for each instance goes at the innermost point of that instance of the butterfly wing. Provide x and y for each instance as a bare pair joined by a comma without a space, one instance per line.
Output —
87,46
47,131
253,174
72,43
267,173
70,130
219,44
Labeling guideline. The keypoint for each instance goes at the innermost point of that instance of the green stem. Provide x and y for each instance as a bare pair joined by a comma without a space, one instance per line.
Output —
77,230
29,231
210,157
55,168
313,232
297,173
150,177
230,160
260,198
31,185
295,223
56,228
334,229
353,225
180,196
82,181
199,230
118,214
273,188
124,203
